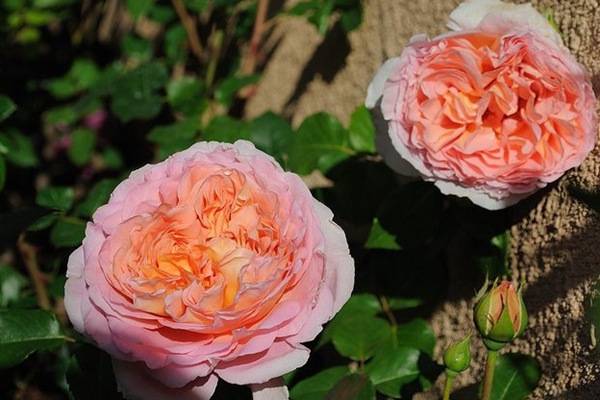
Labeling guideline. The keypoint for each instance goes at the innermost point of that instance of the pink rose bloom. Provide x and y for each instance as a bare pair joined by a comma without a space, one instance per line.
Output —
212,264
493,111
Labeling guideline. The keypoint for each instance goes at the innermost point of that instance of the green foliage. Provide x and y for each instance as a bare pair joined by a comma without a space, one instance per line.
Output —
318,385
516,377
320,143
24,331
319,13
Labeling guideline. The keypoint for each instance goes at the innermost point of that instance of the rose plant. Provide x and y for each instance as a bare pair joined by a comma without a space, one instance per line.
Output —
212,264
493,110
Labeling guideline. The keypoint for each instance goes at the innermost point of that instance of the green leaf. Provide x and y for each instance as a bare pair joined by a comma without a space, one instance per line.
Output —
11,283
226,129
67,232
362,131
416,334
352,387
57,197
272,134
187,95
20,149
83,143
137,8
351,19
61,115
379,238
174,138
90,375
392,367
136,47
197,6
226,91
136,95
174,42
24,331
515,377
7,107
397,303
83,75
97,196
359,304
412,213
360,336
320,143
51,3
15,222
317,386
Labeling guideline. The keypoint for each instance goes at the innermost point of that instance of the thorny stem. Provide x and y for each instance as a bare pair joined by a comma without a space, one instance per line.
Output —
448,387
190,28
488,378
249,63
28,253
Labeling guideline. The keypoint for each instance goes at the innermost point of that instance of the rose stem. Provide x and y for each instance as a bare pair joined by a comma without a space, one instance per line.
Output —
488,378
190,28
249,63
217,42
29,257
448,387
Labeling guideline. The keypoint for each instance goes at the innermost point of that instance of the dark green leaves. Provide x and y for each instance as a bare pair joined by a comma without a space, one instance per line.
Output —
352,387
187,95
24,331
359,336
67,232
137,96
7,107
317,386
516,376
320,143
392,367
59,198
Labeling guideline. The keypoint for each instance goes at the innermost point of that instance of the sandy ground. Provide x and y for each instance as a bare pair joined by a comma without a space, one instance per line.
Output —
554,246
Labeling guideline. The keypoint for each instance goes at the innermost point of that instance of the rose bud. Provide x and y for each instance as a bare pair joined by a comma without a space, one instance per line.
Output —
500,315
457,357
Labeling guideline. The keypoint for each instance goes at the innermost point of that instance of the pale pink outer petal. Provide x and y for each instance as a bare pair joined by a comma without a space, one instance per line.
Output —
135,384
75,286
495,16
480,197
375,89
279,359
274,389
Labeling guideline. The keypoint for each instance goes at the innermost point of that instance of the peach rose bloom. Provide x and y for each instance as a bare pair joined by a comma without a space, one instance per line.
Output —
494,111
212,264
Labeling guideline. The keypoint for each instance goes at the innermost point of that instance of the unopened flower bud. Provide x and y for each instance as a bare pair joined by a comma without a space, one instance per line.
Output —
500,315
457,357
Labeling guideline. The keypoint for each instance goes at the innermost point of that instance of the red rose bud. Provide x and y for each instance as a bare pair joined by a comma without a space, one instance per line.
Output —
457,357
500,315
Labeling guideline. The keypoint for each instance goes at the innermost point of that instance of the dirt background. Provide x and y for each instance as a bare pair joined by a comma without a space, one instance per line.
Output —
554,244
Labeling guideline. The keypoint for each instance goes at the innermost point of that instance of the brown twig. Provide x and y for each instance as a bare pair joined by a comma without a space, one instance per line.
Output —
29,254
249,64
190,28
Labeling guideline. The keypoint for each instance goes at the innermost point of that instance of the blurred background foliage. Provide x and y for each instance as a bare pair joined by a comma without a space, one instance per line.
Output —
90,90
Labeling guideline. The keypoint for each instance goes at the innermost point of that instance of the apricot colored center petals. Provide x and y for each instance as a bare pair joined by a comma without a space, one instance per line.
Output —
223,239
